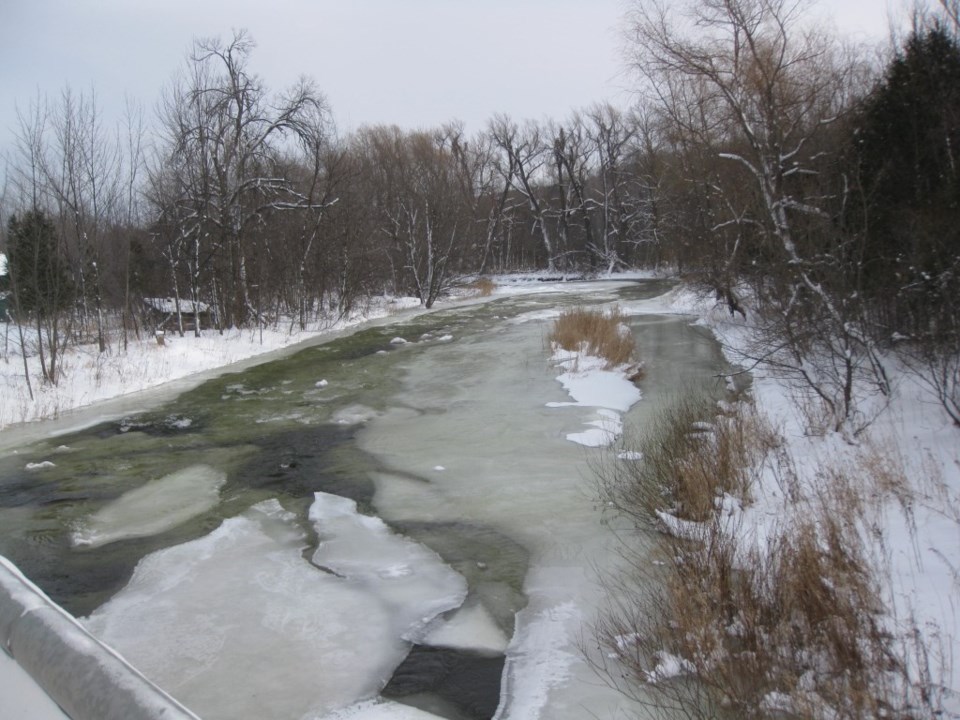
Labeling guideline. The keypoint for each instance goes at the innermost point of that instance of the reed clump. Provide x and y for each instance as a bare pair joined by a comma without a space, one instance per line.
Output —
693,455
595,332
721,622
482,287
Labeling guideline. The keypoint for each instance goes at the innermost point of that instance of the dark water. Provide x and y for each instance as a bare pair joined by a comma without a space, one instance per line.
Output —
457,684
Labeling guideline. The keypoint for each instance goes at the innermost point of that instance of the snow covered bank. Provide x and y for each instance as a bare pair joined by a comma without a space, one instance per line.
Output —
90,377
890,498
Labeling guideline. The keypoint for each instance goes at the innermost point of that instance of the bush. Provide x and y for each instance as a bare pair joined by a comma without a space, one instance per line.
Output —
484,287
691,457
719,622
594,332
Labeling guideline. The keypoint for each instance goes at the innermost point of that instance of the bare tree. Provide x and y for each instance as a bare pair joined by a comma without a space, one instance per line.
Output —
484,186
313,197
132,139
528,155
767,90
619,200
223,140
423,210
951,8
42,291
82,170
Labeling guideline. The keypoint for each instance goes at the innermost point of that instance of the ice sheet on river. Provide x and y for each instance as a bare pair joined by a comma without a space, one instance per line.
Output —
239,624
157,506
410,579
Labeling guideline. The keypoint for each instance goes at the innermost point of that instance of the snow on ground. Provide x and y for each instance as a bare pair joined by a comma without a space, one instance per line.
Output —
911,533
89,377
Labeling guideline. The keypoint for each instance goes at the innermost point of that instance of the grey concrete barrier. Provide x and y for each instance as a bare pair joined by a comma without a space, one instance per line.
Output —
85,677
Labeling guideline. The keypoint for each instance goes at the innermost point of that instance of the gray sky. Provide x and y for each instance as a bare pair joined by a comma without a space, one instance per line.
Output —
416,63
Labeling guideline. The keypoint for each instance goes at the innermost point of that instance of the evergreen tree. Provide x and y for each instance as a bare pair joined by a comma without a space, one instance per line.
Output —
39,274
908,147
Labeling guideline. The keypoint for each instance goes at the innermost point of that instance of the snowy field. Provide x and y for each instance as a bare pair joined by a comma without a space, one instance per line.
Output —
914,533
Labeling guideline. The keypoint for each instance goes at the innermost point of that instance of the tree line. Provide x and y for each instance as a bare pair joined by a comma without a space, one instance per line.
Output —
823,187
764,160
250,203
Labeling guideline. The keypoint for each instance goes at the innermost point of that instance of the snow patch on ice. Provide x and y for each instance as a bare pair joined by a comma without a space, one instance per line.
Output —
282,417
604,430
377,710
354,415
537,660
591,384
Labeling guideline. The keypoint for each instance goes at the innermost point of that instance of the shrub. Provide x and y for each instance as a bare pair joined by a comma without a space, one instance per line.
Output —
594,332
691,456
483,287
720,623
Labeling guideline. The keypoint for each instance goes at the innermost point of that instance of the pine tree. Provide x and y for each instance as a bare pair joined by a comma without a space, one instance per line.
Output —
39,274
908,147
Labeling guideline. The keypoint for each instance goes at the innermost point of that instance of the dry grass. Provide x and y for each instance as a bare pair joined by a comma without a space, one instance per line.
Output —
791,621
692,456
594,332
482,287
789,627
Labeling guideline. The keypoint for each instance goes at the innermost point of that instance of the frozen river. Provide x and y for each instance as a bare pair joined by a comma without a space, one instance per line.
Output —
392,524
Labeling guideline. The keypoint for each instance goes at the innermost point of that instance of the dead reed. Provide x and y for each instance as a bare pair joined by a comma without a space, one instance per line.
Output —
594,332
482,287
719,623
692,455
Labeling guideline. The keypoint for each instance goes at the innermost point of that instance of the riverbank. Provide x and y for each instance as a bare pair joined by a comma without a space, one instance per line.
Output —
89,377
912,528
886,501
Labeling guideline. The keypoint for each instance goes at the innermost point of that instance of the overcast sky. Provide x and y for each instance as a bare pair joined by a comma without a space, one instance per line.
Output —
416,63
